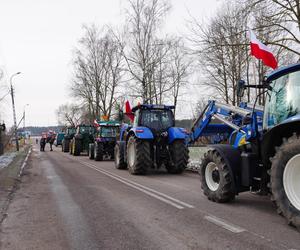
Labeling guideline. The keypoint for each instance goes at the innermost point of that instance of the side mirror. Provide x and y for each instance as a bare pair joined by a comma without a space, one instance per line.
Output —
240,88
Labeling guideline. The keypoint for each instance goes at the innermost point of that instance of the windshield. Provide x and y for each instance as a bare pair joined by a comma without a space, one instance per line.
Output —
71,130
86,130
283,101
108,131
157,119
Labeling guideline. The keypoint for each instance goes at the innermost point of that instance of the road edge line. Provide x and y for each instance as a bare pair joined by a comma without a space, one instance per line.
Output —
25,162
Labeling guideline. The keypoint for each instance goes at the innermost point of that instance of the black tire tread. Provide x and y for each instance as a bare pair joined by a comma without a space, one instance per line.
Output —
98,152
226,191
143,156
77,147
118,151
180,156
66,146
286,151
91,151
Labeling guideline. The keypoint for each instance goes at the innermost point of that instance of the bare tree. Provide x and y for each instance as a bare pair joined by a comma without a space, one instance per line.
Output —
179,70
284,18
97,71
221,48
68,114
144,20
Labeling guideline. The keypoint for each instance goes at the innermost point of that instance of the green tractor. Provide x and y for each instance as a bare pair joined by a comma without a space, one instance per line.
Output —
105,141
65,145
83,137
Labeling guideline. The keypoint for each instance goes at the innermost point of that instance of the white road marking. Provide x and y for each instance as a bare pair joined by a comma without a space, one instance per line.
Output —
224,224
24,163
135,187
209,217
149,191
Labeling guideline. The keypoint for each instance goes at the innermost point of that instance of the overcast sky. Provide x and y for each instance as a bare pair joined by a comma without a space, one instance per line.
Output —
37,38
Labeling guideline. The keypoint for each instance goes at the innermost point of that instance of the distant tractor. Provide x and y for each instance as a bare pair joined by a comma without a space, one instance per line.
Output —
83,137
152,141
65,144
105,141
59,138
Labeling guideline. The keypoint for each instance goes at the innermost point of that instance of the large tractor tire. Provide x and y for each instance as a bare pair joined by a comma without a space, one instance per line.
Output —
217,180
65,146
76,147
91,151
138,156
285,180
98,152
179,157
119,155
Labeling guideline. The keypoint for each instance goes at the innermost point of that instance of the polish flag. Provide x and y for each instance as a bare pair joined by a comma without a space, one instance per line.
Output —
128,111
261,51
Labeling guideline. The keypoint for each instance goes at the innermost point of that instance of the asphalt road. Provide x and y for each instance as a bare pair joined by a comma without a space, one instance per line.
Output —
67,202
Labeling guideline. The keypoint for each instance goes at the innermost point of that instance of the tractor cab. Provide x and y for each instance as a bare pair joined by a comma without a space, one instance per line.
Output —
283,96
85,129
108,129
158,118
70,131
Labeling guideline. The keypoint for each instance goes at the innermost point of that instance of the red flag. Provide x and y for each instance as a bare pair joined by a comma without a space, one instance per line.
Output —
261,51
128,111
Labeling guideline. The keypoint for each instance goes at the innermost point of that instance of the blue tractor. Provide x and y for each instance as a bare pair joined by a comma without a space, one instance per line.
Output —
262,147
152,141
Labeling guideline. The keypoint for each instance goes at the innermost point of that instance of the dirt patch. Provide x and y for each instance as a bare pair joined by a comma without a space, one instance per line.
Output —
9,181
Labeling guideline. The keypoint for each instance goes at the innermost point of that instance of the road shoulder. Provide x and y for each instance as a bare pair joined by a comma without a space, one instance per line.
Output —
32,219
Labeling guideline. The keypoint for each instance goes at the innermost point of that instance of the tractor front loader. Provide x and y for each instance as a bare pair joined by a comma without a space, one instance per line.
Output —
263,145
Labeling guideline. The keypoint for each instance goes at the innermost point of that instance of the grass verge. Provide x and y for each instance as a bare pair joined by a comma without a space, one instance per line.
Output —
9,180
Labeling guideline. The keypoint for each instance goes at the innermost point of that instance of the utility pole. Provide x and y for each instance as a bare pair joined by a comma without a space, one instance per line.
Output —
14,110
24,123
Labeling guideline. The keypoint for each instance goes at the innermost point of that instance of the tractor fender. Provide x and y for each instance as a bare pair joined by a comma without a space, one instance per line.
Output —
141,133
176,134
232,158
123,130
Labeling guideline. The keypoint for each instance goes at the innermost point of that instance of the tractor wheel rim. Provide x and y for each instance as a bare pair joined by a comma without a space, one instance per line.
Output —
131,154
291,183
210,176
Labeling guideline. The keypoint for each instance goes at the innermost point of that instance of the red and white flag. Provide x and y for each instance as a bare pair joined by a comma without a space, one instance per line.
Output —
128,111
261,51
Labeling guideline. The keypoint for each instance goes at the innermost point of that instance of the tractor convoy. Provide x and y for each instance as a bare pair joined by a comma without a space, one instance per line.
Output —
258,148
